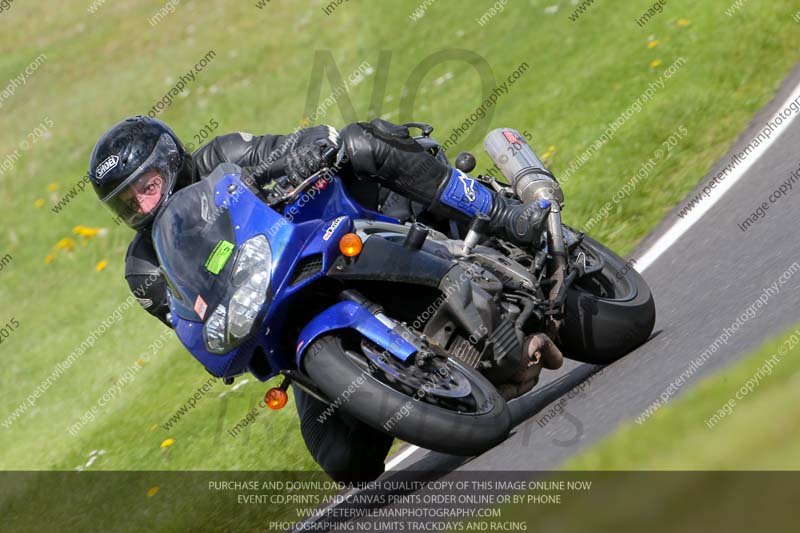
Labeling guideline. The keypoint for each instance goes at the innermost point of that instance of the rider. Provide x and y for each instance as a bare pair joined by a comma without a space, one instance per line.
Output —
139,162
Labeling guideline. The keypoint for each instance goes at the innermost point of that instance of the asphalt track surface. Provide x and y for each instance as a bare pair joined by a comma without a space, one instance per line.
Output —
704,276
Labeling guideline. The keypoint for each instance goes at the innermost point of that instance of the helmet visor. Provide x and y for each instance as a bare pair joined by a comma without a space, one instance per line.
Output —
137,199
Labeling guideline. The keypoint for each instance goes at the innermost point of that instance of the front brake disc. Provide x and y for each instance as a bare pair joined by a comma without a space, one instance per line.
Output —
436,380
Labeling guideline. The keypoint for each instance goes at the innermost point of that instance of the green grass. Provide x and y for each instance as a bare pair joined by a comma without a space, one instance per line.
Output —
758,430
105,66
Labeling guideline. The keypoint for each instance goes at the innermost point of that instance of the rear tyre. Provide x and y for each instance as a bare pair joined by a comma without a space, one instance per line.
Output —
387,397
608,314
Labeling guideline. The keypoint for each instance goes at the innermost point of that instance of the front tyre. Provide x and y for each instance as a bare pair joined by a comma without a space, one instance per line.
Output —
608,314
441,405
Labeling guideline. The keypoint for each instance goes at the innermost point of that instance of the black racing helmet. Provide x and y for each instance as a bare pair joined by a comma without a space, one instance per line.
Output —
135,166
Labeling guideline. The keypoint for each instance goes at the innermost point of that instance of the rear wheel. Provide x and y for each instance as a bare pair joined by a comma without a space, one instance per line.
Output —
608,314
439,405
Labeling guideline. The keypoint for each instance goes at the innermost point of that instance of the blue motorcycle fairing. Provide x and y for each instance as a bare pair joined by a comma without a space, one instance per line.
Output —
311,225
335,202
350,315
191,335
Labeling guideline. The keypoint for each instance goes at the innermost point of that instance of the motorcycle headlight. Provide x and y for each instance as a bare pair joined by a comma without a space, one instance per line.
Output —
214,331
228,327
246,303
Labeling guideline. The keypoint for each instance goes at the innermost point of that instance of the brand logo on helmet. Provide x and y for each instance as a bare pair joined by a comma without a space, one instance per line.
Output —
106,166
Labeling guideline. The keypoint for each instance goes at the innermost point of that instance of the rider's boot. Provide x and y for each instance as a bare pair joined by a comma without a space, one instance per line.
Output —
386,152
538,352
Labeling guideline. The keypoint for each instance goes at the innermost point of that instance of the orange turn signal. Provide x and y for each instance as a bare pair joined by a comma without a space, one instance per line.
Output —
350,245
276,398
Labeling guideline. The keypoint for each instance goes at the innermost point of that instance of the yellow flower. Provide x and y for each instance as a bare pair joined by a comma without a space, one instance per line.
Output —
683,22
65,244
167,443
152,492
39,202
653,43
86,232
99,267
655,63
53,187
49,259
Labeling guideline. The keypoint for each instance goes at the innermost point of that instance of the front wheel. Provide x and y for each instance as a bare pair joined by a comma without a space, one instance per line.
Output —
440,405
609,313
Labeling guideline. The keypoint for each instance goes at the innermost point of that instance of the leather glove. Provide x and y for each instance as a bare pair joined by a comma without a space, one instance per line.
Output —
294,157
305,160
308,155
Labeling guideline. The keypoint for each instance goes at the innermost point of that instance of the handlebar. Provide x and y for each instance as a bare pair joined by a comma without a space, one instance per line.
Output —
328,154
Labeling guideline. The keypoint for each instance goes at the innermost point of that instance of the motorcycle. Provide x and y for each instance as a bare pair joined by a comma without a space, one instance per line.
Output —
403,326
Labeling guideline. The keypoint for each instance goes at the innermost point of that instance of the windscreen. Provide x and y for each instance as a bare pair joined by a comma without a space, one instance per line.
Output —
195,243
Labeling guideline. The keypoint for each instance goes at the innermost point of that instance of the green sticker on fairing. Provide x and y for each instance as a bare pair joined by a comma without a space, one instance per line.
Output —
219,257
